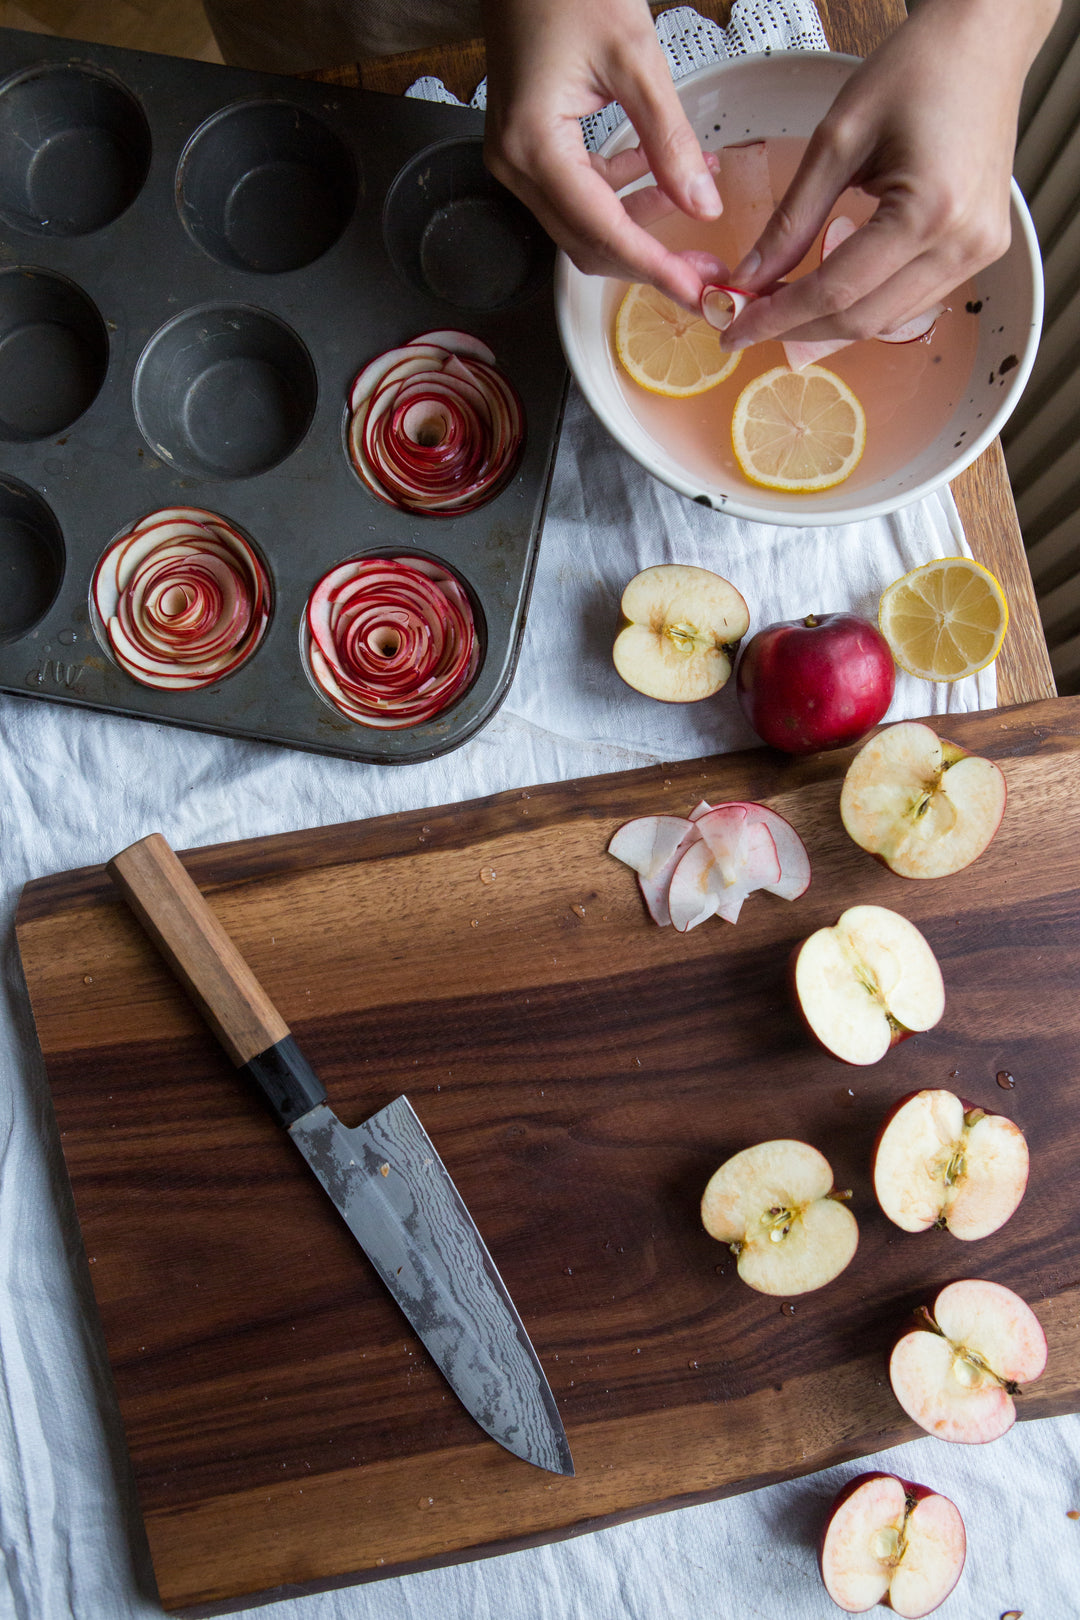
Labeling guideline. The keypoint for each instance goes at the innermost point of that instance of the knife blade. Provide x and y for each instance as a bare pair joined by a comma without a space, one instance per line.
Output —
384,1176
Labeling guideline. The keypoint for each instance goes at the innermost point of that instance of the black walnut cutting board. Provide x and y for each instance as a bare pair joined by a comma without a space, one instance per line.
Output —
582,1072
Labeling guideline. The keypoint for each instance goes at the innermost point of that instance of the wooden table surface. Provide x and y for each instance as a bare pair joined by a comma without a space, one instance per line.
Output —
982,492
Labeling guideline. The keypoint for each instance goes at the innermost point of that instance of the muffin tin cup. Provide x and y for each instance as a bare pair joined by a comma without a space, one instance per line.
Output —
201,343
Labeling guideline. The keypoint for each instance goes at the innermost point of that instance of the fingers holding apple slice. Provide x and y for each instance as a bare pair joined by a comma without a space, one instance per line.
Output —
939,1162
775,1205
681,628
921,804
957,1375
867,983
888,1540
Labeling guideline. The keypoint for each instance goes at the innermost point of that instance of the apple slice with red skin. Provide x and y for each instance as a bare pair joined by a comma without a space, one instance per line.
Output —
705,865
734,855
942,1162
775,1205
921,804
957,1373
815,683
890,1541
653,847
866,983
681,627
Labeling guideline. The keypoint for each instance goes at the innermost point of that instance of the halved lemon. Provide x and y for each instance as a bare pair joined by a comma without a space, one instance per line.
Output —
798,430
665,348
944,620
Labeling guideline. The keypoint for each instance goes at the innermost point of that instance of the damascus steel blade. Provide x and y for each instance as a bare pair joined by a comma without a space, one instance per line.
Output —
397,1198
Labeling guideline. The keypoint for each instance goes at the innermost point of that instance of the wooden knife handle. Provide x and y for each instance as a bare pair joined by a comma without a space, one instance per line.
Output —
197,948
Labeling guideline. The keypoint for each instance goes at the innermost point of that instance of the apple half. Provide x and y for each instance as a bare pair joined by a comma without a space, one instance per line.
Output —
922,805
956,1375
774,1204
941,1162
866,983
888,1540
681,628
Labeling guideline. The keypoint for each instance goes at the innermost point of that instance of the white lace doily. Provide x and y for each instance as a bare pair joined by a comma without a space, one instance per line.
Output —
690,41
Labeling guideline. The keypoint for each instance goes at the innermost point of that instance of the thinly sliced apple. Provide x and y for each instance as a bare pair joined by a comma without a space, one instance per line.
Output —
721,305
891,1541
775,1205
705,865
745,185
653,846
867,983
957,1375
921,804
681,629
939,1162
735,856
800,353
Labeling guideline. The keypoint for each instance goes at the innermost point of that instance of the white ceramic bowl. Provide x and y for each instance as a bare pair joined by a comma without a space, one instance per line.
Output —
786,94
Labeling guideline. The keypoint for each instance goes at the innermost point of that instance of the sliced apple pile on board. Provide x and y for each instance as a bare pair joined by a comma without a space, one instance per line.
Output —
680,630
941,1162
921,804
775,1205
888,1540
957,1374
867,983
705,865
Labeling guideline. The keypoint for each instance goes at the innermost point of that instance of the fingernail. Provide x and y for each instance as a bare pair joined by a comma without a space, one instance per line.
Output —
748,269
705,197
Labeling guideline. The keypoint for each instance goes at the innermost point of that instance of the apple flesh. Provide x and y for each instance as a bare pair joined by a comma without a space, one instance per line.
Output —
706,865
941,1162
775,1205
815,683
866,983
888,1540
921,804
957,1374
681,627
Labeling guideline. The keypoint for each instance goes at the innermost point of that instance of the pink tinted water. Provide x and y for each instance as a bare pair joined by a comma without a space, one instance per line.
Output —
908,390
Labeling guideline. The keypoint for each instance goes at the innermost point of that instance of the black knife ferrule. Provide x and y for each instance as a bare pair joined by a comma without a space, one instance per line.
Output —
286,1079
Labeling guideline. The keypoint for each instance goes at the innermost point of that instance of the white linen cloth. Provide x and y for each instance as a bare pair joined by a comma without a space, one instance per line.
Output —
77,786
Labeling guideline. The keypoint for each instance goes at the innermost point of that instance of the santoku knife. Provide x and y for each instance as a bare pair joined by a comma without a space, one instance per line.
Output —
388,1182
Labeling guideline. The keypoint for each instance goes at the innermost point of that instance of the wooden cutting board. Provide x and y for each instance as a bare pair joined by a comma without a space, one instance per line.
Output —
582,1072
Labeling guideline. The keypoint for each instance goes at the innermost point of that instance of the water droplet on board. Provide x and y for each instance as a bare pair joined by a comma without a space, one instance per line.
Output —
787,1308
88,978
487,874
1005,1080
579,911
475,923
425,1502
67,638
954,1074
692,1365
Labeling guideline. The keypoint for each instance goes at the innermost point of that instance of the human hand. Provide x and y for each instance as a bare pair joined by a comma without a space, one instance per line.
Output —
550,62
927,126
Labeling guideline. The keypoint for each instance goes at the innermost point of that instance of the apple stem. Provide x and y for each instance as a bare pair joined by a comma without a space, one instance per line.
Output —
839,1195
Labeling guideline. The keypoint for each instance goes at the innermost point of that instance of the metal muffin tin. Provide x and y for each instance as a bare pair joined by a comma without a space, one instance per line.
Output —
195,262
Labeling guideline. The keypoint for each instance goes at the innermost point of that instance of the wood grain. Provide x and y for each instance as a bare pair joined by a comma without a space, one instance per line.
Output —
582,1072
197,948
983,494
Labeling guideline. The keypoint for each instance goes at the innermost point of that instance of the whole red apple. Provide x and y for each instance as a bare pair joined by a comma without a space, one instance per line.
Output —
815,683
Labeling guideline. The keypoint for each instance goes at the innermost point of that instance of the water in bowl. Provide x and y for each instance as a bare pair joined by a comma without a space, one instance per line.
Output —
908,390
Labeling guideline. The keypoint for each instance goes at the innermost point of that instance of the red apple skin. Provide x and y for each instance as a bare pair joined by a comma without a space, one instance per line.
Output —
822,682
